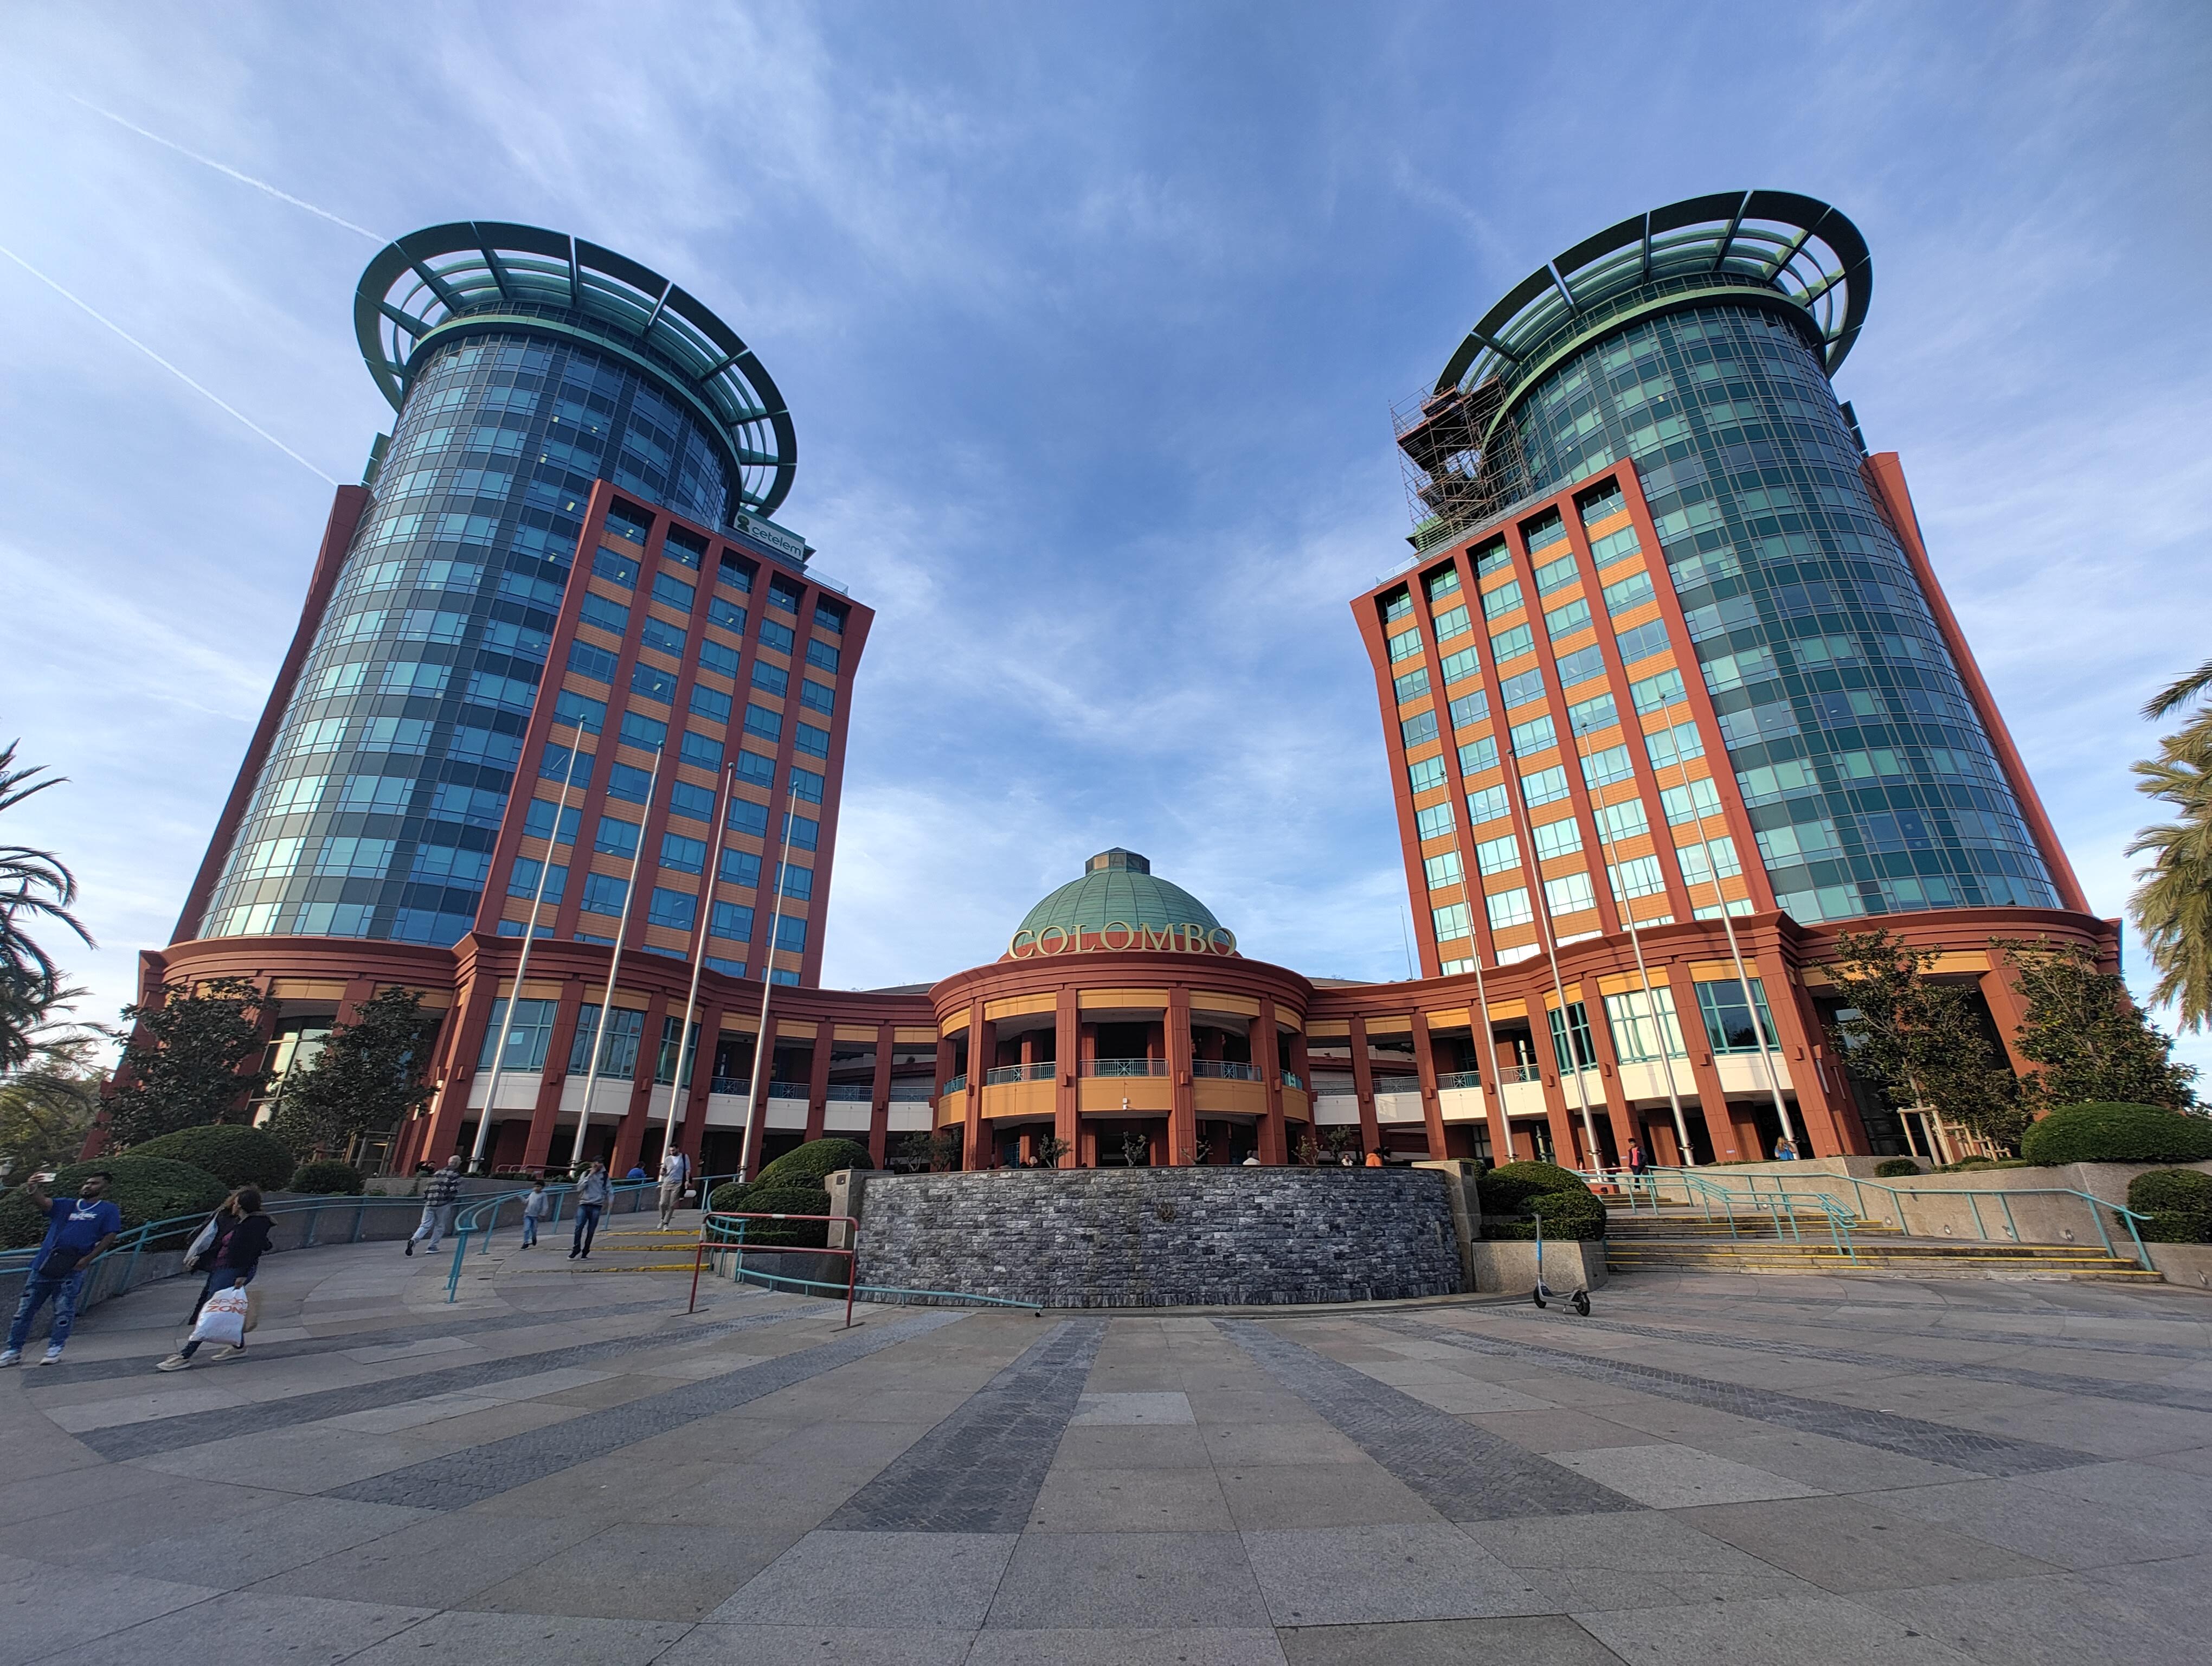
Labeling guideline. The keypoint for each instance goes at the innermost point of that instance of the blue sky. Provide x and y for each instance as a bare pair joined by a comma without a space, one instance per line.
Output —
1091,318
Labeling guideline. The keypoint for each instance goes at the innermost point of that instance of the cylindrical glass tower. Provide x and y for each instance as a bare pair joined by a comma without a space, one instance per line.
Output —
523,365
1698,341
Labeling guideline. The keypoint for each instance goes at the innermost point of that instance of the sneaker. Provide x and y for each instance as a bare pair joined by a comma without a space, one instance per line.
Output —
53,1357
174,1362
410,1246
223,1351
12,1357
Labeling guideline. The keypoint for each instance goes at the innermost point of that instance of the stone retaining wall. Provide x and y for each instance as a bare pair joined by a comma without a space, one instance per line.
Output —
1161,1237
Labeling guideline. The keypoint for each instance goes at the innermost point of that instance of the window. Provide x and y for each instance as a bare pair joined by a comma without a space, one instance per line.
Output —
537,821
1633,591
1693,802
1614,546
725,613
1612,764
710,704
684,856
580,711
616,837
661,636
1501,600
558,762
611,617
676,909
821,656
619,569
1461,666
746,817
807,785
1398,605
1479,754
731,919
774,678
1442,871
803,831
1450,921
619,1048
696,803
741,867
1485,805
1543,785
1656,693
527,1035
1405,645
1603,504
1674,746
522,879
776,636
603,893
1508,908
1571,1049
1543,534
1560,838
1428,773
628,523
1642,1025
1445,582
1497,855
1639,876
1625,820
791,936
647,734
829,616
1565,620
1451,624
1588,716
818,696
811,740
1433,822
700,751
727,967
653,683
1581,666
1412,685
1418,730
1700,861
718,657
1641,643
756,768
760,720
674,592
1469,708
595,663
1533,736
680,546
798,883
1728,1018
629,784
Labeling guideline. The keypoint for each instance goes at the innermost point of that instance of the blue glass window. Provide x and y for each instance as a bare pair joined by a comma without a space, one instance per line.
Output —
1479,754
674,593
1419,729
630,785
779,637
727,614
1412,685
806,785
646,733
616,837
1425,774
754,766
619,570
684,856
774,678
747,816
1581,666
814,742
733,920
822,656
700,751
1644,640
710,704
603,893
696,803
718,657
611,617
653,683
658,634
580,711
676,909
1486,805
537,820
760,720
1633,591
741,867
803,831
818,696
1533,736
1469,708
1462,664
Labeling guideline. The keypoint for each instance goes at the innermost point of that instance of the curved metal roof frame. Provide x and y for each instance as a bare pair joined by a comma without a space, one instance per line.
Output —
474,276
1795,252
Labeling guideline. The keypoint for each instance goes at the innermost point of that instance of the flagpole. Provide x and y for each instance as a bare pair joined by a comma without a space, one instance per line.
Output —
698,965
614,970
760,1044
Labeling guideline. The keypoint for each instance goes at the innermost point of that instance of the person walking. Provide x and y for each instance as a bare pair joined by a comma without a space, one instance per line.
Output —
535,1208
592,1192
1374,1159
78,1233
1636,1161
441,1194
241,1238
675,1168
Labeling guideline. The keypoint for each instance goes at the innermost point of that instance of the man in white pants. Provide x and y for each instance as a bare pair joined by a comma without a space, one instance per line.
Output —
675,1168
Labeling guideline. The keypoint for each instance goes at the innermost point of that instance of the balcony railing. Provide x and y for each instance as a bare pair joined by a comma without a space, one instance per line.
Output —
1460,1078
853,1092
1520,1072
736,1084
1291,1079
918,1091
789,1091
1043,1070
1125,1067
1224,1070
956,1085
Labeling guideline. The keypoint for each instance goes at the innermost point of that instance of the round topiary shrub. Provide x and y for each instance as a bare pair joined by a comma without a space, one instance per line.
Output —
233,1154
763,1198
1895,1168
1566,1215
144,1189
2117,1134
812,1161
2183,1191
2175,1226
328,1179
1505,1189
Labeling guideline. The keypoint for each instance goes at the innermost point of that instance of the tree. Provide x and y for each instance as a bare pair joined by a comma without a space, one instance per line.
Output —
369,1078
34,885
1920,1042
2092,1043
182,1067
2172,901
51,1095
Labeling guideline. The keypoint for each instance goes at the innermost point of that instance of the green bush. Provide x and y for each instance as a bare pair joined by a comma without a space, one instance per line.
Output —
2186,1191
328,1179
233,1154
1505,1189
1894,1168
813,1161
1567,1215
144,1188
2175,1226
1968,1165
762,1198
2117,1134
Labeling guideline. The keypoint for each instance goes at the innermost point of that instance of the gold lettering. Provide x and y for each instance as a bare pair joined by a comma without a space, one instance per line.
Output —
1051,931
1165,940
1128,934
1217,934
1193,939
1015,947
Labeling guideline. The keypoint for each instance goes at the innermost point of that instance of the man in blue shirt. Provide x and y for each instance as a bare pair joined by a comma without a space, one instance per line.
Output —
78,1233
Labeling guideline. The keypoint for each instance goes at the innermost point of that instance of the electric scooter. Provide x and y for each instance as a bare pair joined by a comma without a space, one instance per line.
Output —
1579,1301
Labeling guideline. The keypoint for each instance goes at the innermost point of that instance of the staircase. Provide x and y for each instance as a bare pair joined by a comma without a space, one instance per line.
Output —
614,1249
1686,1240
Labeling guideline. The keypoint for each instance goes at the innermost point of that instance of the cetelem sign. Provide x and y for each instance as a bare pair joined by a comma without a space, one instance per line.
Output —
1177,939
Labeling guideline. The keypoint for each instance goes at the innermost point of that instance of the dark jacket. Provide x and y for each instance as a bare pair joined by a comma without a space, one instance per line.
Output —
239,1245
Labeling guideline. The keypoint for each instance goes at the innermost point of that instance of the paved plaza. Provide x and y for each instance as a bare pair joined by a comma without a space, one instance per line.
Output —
563,1468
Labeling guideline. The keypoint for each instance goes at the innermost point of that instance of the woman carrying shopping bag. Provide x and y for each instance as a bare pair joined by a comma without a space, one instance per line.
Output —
232,1256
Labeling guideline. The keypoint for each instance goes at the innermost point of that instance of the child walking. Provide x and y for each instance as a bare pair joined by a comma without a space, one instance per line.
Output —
535,1208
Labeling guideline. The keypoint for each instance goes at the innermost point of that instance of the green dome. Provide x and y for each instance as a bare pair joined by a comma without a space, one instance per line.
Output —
1118,887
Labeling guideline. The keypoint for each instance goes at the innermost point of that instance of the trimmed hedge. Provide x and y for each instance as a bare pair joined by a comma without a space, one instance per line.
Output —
761,1198
1566,1215
1505,1189
2175,1226
813,1161
144,1188
2117,1134
1895,1168
232,1153
2178,1202
327,1179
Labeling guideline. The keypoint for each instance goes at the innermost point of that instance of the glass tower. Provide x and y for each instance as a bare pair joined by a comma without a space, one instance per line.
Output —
523,364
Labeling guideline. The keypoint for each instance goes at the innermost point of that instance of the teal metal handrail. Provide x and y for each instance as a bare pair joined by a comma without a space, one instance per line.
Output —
2002,1194
1703,1191
479,1217
716,1237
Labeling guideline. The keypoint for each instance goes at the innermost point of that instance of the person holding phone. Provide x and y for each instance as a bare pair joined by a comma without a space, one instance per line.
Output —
78,1233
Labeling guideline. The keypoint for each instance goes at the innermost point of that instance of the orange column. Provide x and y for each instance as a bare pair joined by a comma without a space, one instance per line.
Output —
982,1048
879,1096
1067,1049
1363,1085
1183,1116
1266,1059
1424,1063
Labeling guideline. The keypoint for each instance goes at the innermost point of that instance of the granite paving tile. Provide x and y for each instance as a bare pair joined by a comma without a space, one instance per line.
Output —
56,1611
1669,1477
1830,1631
1087,1580
918,1581
1409,1570
889,1644
1552,1640
1128,1645
1143,1500
1846,1545
247,1628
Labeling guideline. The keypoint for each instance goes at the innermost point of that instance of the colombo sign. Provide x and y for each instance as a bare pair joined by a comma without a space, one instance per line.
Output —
1177,939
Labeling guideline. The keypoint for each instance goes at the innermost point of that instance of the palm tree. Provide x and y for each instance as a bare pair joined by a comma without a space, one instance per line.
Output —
2172,900
50,1091
34,885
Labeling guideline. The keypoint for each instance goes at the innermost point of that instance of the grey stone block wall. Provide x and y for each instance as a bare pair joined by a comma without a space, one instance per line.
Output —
1158,1238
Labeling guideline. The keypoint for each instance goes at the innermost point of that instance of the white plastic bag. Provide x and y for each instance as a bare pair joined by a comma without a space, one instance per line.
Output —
223,1318
200,1245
